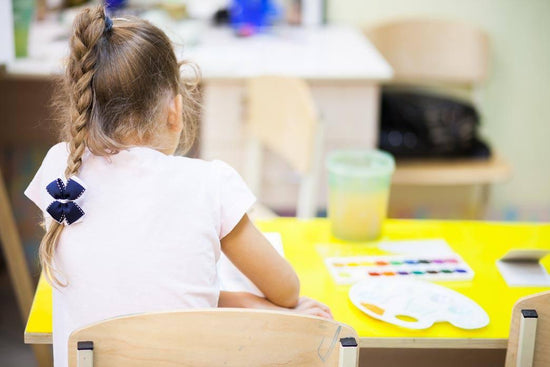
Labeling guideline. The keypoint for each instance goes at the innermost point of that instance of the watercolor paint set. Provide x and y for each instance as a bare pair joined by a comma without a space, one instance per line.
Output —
447,267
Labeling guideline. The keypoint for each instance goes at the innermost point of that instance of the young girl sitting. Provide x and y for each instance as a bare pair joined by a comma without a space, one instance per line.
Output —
131,227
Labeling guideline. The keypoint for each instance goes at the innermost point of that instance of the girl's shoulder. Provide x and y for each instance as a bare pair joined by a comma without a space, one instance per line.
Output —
55,161
59,151
52,167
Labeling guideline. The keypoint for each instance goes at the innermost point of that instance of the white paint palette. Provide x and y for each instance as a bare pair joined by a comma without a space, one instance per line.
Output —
443,267
415,304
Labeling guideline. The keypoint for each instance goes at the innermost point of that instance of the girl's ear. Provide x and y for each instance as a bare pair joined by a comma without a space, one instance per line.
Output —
175,114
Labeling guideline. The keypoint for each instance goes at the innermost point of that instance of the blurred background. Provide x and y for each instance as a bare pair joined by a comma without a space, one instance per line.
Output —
457,91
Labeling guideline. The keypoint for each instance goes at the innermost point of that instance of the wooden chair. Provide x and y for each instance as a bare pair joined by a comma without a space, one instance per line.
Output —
281,116
440,54
529,341
216,337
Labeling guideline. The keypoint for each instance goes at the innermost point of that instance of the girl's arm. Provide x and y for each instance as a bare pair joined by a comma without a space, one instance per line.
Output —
254,256
305,306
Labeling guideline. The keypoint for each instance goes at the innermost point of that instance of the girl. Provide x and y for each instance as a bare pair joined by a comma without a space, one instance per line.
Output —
130,227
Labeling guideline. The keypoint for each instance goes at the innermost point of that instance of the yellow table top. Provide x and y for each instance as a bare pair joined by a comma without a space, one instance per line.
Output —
479,243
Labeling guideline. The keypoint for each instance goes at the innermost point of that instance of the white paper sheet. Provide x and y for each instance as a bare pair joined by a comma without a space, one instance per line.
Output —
522,268
421,247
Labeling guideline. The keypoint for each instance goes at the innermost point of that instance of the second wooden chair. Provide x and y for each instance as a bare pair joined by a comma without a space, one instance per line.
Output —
442,55
282,117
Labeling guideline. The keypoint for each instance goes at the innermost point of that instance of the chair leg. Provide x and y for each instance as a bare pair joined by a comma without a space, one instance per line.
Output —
85,354
485,195
253,165
349,353
307,196
526,341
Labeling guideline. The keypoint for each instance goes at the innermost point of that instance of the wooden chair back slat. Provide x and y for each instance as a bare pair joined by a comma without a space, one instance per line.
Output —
216,337
437,51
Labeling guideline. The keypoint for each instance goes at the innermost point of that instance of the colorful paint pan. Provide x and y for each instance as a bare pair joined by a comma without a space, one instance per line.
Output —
426,267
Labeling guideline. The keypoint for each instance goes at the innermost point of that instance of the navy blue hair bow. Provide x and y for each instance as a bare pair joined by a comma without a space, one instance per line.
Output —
108,24
64,208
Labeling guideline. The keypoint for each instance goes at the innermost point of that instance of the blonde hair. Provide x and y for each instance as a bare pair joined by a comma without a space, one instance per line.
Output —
116,79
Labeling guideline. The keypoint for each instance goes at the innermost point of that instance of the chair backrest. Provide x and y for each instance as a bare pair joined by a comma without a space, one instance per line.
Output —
437,51
281,116
216,337
529,340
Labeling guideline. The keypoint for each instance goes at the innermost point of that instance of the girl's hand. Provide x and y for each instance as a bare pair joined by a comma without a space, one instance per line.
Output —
308,306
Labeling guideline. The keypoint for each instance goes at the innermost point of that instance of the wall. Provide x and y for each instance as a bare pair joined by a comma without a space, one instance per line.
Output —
516,99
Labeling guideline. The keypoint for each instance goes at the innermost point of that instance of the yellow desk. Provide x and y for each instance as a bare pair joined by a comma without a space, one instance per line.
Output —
480,244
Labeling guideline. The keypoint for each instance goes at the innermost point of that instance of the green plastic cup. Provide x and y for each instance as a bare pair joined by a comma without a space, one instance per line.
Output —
359,187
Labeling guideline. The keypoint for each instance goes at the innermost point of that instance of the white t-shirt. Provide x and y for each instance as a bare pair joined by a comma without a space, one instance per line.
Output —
149,239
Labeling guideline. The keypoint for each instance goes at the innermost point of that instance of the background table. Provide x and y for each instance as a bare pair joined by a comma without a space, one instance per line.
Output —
342,68
480,245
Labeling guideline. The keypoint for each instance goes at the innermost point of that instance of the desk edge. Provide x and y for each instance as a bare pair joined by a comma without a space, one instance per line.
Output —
398,343
38,338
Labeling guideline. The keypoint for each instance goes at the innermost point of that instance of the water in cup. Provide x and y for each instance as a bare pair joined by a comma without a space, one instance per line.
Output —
359,186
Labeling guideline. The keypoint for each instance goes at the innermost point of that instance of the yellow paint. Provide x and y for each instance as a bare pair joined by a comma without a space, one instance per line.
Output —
366,263
480,245
406,318
377,310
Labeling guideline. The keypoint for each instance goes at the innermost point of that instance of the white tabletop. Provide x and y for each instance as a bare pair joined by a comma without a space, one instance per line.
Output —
311,53
329,52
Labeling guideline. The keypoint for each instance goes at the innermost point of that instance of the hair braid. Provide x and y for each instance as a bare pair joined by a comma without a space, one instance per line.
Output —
89,27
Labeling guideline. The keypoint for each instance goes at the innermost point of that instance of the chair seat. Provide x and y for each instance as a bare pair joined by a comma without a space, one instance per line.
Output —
451,171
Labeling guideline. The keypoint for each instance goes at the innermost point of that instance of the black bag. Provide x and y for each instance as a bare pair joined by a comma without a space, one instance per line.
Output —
415,125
